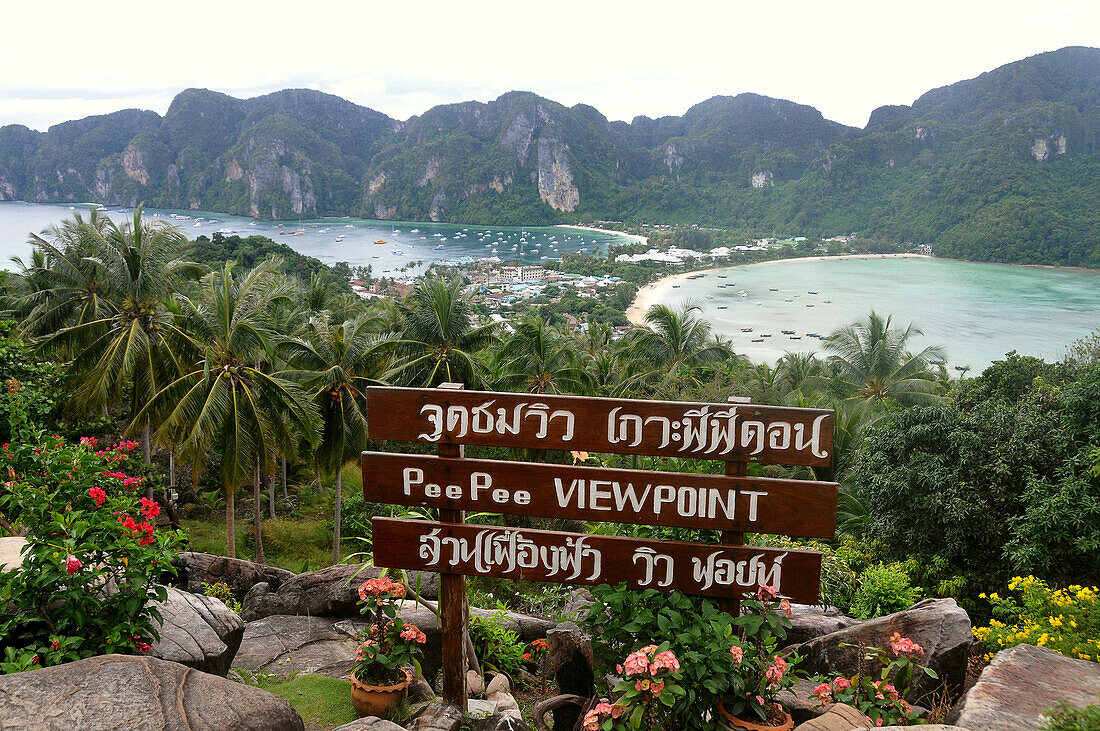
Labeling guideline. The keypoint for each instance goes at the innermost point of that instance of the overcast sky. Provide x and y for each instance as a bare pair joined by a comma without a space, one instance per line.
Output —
64,60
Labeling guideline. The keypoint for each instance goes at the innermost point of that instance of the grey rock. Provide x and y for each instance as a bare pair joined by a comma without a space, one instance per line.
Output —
499,684
426,583
369,723
478,708
940,626
475,684
437,717
331,592
284,644
505,701
197,569
809,621
499,722
420,690
838,718
799,703
197,631
578,605
1022,682
928,727
126,692
11,552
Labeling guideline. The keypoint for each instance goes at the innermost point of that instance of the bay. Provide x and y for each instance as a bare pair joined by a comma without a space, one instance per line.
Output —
977,312
336,239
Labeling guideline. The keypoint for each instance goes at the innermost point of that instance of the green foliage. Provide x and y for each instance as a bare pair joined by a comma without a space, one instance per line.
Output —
1067,718
624,620
221,590
498,648
883,589
321,701
77,510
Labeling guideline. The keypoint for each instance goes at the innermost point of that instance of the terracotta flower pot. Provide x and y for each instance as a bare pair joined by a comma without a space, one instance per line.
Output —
377,700
733,723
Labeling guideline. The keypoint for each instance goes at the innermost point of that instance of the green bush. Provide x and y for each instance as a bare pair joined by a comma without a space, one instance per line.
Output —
1065,718
883,589
499,648
222,591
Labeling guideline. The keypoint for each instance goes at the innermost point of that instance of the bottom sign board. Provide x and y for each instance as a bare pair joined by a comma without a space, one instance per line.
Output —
576,558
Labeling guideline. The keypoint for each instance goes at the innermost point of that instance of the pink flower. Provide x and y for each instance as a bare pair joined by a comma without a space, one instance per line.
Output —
902,645
738,654
72,564
143,646
641,684
775,671
785,605
665,660
878,721
842,683
766,592
656,687
98,495
760,699
636,662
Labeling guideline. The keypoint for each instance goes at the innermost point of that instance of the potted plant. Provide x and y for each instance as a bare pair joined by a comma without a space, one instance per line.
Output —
760,673
379,679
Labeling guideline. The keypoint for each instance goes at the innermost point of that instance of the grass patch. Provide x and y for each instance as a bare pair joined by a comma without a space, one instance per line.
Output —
321,701
295,544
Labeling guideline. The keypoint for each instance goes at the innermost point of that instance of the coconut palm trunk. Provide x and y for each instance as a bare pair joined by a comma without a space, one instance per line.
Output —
257,516
230,523
337,513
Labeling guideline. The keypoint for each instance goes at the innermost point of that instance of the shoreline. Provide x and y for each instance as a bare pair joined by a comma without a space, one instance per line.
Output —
643,299
636,238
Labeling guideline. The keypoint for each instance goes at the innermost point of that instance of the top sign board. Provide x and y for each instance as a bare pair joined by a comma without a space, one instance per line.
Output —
731,432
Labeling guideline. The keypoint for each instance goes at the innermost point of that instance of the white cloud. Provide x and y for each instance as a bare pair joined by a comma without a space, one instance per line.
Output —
624,58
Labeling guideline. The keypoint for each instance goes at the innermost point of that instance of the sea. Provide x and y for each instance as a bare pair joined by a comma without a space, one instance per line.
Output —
976,312
391,248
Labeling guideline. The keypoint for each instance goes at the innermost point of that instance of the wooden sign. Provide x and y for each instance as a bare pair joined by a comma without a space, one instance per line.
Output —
756,504
590,560
741,432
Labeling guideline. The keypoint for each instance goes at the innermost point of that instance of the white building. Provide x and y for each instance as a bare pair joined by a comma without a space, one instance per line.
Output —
522,273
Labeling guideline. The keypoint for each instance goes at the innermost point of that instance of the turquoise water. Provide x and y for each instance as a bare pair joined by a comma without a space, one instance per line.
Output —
978,312
319,236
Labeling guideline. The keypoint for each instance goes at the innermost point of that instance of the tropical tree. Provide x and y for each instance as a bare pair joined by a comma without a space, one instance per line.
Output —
536,358
674,343
61,284
134,343
800,372
334,363
873,362
439,340
225,403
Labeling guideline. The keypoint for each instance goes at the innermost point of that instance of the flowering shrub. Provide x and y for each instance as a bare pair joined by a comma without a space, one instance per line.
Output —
760,672
644,696
388,642
1064,620
93,559
536,656
880,699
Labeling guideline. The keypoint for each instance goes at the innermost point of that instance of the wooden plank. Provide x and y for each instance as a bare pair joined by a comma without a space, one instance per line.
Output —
735,537
454,610
589,560
755,504
770,434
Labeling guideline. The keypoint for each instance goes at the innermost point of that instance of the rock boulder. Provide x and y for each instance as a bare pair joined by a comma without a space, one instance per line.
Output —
437,717
329,592
1020,684
940,626
11,552
121,691
809,621
197,569
198,631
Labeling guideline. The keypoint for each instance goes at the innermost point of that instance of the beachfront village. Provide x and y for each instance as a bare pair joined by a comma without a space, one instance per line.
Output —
575,289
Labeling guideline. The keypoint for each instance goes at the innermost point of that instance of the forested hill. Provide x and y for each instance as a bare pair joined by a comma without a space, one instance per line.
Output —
1002,167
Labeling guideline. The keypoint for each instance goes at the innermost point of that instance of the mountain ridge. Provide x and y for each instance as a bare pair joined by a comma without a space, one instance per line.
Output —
997,167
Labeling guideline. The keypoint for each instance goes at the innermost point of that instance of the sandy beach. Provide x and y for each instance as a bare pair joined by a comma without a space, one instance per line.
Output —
635,237
647,295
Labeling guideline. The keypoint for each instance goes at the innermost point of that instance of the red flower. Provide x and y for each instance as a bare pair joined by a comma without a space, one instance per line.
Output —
73,564
149,508
55,645
97,494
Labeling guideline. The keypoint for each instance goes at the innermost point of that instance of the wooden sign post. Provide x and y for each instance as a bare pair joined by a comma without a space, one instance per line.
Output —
733,503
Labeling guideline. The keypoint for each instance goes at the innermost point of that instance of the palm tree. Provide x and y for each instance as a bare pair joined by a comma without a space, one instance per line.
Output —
335,363
62,283
224,403
134,344
674,343
800,371
538,359
439,339
873,362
